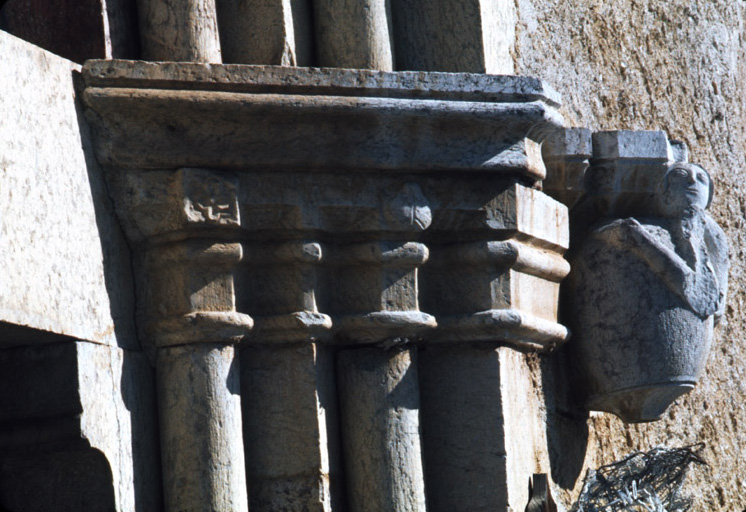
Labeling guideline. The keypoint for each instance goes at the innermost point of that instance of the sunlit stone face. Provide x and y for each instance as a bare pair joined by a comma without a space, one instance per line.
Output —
684,187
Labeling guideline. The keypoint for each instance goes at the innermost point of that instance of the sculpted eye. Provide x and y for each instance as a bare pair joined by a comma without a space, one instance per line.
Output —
679,173
702,178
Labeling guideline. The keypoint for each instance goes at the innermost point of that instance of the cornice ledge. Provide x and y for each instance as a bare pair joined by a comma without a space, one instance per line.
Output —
170,115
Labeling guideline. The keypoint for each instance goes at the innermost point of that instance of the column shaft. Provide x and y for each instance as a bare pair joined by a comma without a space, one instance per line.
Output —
200,411
290,427
379,400
272,32
354,34
463,429
468,36
179,30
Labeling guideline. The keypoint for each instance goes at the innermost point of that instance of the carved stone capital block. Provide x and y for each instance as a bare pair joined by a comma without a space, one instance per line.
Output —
566,153
376,292
279,285
357,216
503,290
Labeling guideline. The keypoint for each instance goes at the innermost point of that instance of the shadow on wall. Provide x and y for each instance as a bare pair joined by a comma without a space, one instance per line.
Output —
566,425
137,383
64,481
75,30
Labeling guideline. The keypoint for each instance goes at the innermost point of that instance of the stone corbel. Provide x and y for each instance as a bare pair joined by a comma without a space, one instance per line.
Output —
650,269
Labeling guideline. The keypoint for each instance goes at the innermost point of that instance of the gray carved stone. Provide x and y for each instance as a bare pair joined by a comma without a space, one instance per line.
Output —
356,215
277,32
179,30
646,291
473,36
379,399
201,443
354,34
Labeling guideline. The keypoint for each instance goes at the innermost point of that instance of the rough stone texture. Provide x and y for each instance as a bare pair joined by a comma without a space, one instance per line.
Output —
64,265
282,283
78,429
482,289
200,411
676,66
187,306
291,434
337,255
179,30
478,456
354,34
56,25
645,344
379,403
566,153
473,36
276,32
268,118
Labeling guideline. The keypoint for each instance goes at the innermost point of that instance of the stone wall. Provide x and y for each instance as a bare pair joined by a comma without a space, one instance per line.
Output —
676,66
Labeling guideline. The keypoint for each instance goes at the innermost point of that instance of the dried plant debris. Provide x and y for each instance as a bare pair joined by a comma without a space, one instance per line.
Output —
641,482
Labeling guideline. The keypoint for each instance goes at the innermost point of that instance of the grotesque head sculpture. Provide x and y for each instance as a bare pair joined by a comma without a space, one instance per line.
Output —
684,187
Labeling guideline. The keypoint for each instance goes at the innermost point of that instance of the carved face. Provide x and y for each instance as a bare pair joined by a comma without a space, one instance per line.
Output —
684,186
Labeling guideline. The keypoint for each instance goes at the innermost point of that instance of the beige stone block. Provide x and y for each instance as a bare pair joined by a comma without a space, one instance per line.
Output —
64,265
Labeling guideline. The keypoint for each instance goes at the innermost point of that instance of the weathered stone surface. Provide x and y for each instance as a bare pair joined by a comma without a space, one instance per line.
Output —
470,87
78,429
480,448
189,294
291,434
669,273
676,67
474,36
499,290
281,283
64,265
339,256
275,32
354,34
379,400
202,448
179,30
227,119
566,153
87,29
185,276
